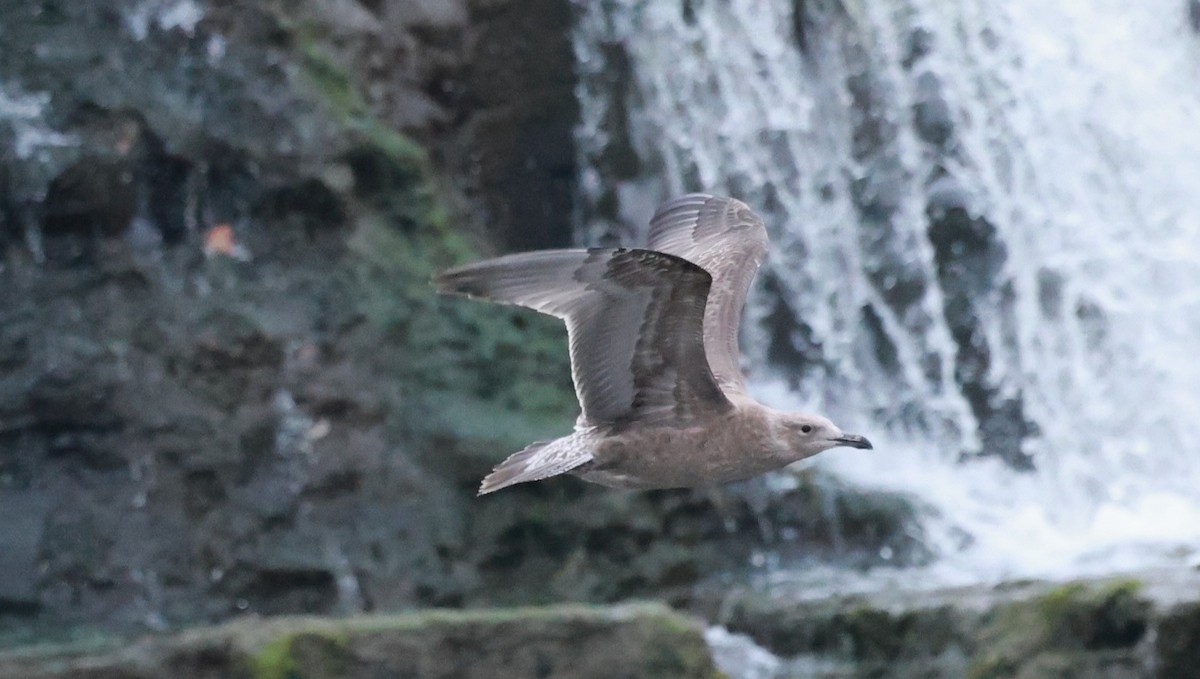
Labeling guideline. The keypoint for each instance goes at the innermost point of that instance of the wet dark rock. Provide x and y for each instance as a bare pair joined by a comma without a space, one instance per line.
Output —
920,44
531,188
1050,293
1093,323
871,129
801,25
687,10
878,196
900,279
969,259
1177,638
618,159
969,255
612,160
931,112
886,354
792,342
879,192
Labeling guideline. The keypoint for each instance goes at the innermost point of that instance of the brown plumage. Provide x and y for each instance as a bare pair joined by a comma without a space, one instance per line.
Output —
654,355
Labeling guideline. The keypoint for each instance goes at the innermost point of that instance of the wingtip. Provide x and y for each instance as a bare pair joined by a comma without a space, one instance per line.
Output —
490,484
450,282
438,279
685,202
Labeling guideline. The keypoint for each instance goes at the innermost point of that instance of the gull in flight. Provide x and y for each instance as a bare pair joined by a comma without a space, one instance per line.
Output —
653,336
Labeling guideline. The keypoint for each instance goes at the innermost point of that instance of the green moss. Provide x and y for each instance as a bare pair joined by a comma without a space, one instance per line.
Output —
486,376
674,648
389,167
313,650
479,379
1122,588
331,81
392,144
668,657
321,73
1031,638
274,659
667,620
992,666
1055,664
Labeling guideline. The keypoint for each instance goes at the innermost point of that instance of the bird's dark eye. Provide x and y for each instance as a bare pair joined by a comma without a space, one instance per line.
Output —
806,428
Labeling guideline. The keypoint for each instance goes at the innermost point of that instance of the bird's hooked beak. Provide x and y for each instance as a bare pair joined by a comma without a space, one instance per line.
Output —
853,441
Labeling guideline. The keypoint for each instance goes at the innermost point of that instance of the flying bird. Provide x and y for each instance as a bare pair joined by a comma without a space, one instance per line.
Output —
653,335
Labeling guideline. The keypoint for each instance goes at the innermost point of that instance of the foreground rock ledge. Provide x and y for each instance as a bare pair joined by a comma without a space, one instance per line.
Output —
576,642
1143,625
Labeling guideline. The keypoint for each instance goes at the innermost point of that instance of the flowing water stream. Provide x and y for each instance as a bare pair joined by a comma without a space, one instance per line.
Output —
986,244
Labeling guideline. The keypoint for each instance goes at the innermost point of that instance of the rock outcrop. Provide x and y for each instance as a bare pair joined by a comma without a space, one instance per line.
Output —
553,643
1137,627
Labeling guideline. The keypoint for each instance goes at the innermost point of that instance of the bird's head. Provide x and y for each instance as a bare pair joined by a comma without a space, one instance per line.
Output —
806,435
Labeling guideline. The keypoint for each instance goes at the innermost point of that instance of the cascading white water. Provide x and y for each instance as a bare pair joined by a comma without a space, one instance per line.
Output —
1070,131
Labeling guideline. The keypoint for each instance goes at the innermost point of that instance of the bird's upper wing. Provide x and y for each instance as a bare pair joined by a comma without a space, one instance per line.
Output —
728,240
635,320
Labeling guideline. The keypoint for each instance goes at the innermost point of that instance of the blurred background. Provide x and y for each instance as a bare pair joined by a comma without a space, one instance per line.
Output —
227,390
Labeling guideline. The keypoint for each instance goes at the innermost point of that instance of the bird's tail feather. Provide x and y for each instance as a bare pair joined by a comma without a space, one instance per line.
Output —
536,461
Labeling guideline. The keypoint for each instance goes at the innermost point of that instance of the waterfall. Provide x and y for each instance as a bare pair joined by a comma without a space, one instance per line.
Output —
986,243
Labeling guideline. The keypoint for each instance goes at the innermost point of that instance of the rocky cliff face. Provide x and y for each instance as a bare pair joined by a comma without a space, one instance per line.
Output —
264,95
226,386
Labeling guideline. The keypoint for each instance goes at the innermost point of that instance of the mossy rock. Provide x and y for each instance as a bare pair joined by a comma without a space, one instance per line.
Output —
1037,637
850,629
568,642
475,381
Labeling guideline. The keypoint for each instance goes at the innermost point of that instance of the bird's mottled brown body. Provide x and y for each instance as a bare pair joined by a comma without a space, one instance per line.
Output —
737,445
653,341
